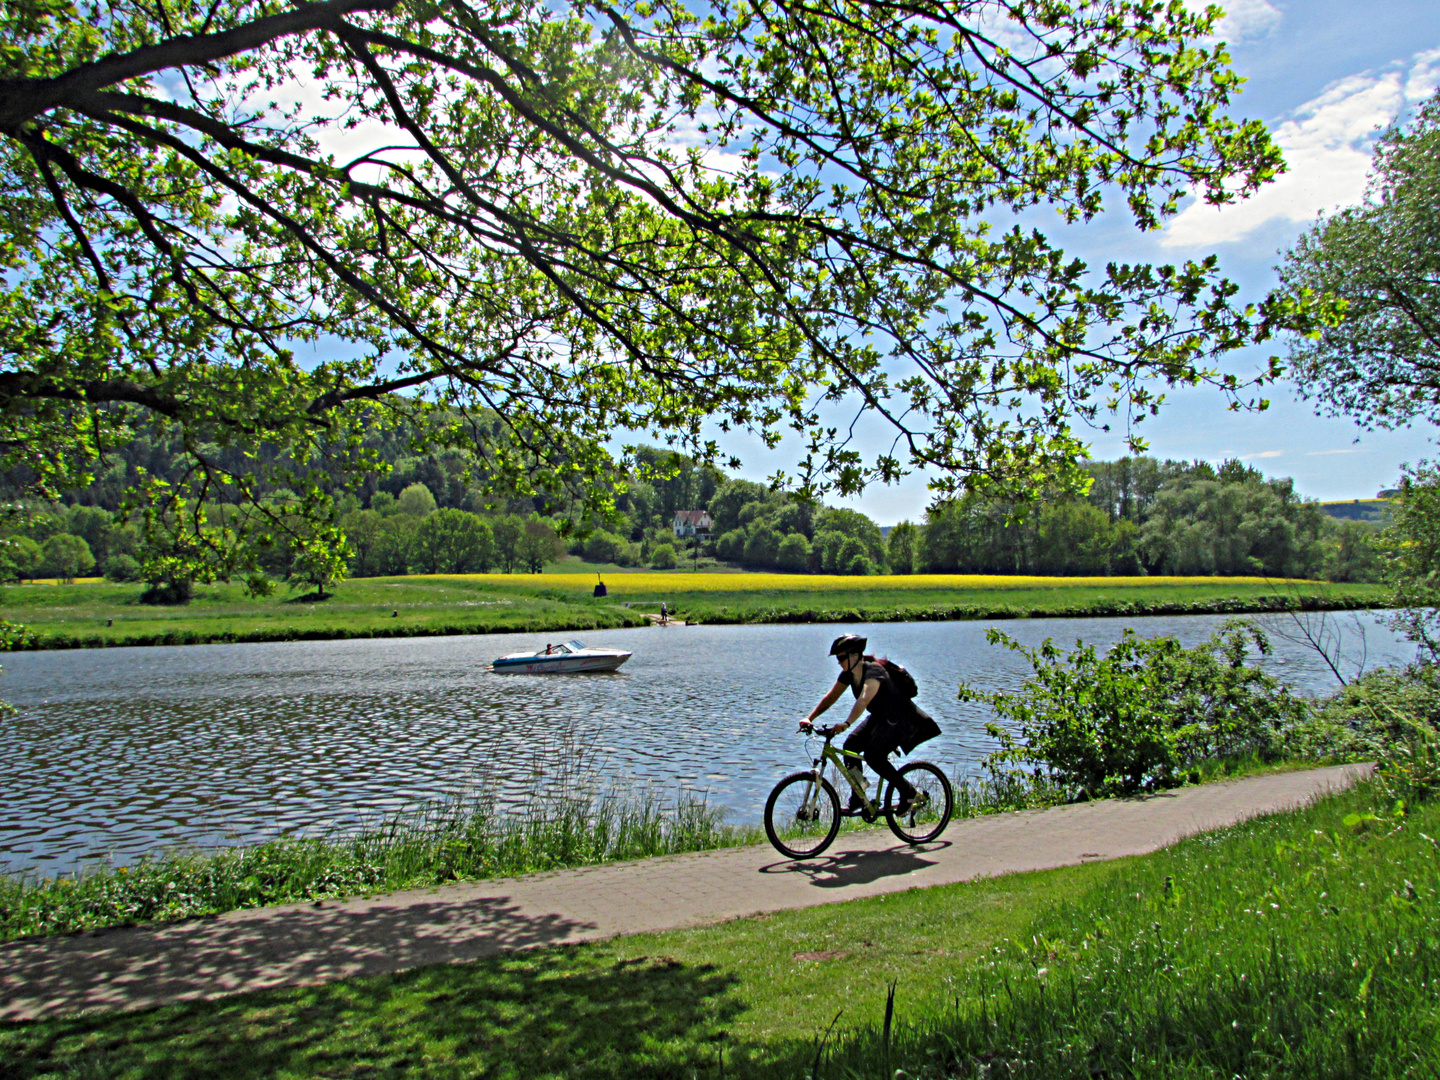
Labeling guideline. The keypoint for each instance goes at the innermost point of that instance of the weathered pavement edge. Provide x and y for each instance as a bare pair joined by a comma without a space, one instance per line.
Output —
312,943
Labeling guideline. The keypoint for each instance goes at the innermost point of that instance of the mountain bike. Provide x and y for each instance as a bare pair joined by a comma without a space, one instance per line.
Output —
803,813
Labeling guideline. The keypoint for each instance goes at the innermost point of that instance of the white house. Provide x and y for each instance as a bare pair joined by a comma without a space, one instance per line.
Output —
690,523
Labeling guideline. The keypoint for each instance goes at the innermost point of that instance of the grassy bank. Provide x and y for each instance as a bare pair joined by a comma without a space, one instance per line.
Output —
94,614
1301,945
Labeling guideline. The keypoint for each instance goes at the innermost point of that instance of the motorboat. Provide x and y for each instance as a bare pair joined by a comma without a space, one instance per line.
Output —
566,658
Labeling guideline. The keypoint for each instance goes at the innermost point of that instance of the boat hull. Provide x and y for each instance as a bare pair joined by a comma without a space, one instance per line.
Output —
559,665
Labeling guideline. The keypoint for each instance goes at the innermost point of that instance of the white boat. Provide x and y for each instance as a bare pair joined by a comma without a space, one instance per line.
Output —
564,659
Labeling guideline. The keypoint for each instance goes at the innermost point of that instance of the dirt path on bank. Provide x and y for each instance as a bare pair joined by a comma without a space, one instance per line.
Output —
311,943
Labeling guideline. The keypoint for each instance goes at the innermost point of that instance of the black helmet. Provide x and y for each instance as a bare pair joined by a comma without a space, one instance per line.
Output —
847,643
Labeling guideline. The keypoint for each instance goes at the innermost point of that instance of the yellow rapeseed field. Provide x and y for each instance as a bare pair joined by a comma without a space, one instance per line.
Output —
677,582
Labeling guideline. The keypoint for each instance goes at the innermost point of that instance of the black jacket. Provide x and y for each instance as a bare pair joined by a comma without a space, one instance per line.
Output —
892,707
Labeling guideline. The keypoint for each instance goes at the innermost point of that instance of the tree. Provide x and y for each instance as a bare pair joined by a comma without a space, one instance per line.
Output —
602,546
65,557
453,541
793,555
319,566
395,548
416,501
20,557
762,547
1073,538
663,557
900,548
573,221
1411,548
364,529
508,529
1380,363
539,544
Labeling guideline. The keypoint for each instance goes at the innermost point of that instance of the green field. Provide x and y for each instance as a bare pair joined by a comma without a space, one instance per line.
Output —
1296,946
97,613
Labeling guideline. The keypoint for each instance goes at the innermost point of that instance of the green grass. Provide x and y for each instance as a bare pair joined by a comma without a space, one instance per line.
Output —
99,613
91,614
1301,945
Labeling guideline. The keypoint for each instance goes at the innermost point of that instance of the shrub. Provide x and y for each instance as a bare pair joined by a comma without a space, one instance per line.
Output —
1369,716
663,557
1143,714
122,568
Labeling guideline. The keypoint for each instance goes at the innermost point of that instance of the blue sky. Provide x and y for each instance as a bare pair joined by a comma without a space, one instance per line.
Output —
1325,75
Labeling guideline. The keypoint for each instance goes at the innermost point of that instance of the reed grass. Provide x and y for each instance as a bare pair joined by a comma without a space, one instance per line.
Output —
564,821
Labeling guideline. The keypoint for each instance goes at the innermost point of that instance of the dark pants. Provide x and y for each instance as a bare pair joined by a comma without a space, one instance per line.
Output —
877,740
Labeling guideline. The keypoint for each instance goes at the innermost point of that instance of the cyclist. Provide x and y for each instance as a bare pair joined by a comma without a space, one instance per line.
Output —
895,721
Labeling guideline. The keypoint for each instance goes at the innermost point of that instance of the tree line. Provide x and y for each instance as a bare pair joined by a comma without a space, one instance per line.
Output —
430,514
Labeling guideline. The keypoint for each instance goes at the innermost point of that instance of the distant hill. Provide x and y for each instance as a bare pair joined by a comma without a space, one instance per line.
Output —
1376,510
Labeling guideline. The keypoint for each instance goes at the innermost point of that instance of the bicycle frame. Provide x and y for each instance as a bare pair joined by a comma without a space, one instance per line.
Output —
829,753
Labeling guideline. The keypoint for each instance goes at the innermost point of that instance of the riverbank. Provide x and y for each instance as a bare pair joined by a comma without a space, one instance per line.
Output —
101,614
1327,915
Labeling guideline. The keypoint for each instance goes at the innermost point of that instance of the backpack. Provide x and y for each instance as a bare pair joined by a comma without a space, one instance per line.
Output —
900,679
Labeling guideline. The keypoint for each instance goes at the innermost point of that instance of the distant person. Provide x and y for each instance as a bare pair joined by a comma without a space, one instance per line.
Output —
895,721
664,613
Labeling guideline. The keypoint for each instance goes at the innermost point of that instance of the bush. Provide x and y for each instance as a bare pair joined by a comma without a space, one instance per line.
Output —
663,557
122,568
1363,720
1143,714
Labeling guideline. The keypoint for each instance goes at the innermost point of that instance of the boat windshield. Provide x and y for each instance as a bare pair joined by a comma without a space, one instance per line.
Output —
573,646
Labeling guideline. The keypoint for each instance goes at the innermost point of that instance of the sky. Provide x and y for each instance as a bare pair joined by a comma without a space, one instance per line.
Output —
1326,76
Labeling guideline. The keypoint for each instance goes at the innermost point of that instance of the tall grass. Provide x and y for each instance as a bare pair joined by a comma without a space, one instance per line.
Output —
1301,945
565,820
1005,791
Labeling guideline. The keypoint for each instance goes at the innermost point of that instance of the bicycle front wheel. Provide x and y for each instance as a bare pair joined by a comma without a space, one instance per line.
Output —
929,813
802,815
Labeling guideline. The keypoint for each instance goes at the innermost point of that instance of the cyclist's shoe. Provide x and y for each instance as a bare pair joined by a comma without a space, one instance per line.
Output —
907,800
856,804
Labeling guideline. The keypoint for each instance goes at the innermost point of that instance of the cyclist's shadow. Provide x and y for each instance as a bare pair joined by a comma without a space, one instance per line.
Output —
843,868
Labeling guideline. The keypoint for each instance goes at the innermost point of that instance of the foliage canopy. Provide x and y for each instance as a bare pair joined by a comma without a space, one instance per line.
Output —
1381,363
583,218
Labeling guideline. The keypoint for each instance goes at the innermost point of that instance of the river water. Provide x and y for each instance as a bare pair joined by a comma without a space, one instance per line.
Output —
118,752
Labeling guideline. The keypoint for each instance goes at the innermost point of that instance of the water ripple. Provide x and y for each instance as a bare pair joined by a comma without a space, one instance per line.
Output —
117,752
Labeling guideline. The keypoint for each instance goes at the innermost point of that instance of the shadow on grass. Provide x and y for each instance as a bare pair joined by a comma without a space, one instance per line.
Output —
564,1012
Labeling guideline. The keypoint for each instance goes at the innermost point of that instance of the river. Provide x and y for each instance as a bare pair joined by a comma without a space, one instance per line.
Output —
118,752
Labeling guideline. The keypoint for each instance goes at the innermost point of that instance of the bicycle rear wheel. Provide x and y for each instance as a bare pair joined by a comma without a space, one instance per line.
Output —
801,818
928,815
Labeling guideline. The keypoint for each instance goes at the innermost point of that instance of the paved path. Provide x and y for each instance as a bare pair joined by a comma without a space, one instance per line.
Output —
311,943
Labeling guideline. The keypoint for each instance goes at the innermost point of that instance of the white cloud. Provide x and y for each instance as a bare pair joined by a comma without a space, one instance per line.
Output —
1327,144
1243,19
1263,454
1324,453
